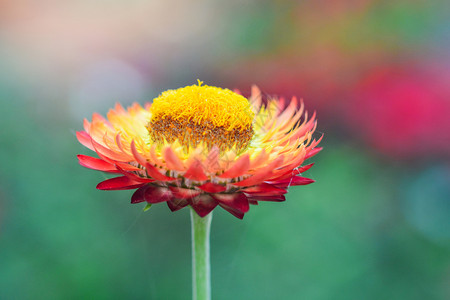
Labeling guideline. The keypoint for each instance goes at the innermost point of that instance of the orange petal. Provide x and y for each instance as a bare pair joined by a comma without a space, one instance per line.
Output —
153,157
255,179
97,118
119,142
238,168
255,98
262,174
85,139
139,157
119,108
173,162
86,125
123,165
108,153
303,129
260,159
212,161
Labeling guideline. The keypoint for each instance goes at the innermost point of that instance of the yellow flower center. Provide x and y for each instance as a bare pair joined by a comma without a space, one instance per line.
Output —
202,114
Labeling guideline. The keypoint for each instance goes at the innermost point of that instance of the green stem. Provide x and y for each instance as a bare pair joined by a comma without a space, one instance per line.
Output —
201,269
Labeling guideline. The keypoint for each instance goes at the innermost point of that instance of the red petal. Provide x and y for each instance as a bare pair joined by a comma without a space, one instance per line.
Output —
290,173
264,189
203,204
238,214
154,194
275,198
139,195
195,172
314,143
176,204
96,164
210,187
305,168
313,152
238,168
182,193
133,176
154,173
296,180
119,183
236,201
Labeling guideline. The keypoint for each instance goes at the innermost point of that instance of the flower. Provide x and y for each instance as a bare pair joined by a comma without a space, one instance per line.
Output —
400,110
203,146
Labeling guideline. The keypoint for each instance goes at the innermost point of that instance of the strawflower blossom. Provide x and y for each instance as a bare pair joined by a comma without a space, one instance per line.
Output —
203,146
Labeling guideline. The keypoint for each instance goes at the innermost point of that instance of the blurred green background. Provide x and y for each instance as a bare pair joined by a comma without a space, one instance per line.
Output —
375,225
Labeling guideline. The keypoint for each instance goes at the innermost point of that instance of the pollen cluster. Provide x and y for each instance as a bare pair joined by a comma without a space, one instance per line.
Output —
199,114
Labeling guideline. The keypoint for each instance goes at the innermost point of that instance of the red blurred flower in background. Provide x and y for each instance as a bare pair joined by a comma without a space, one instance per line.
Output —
403,111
